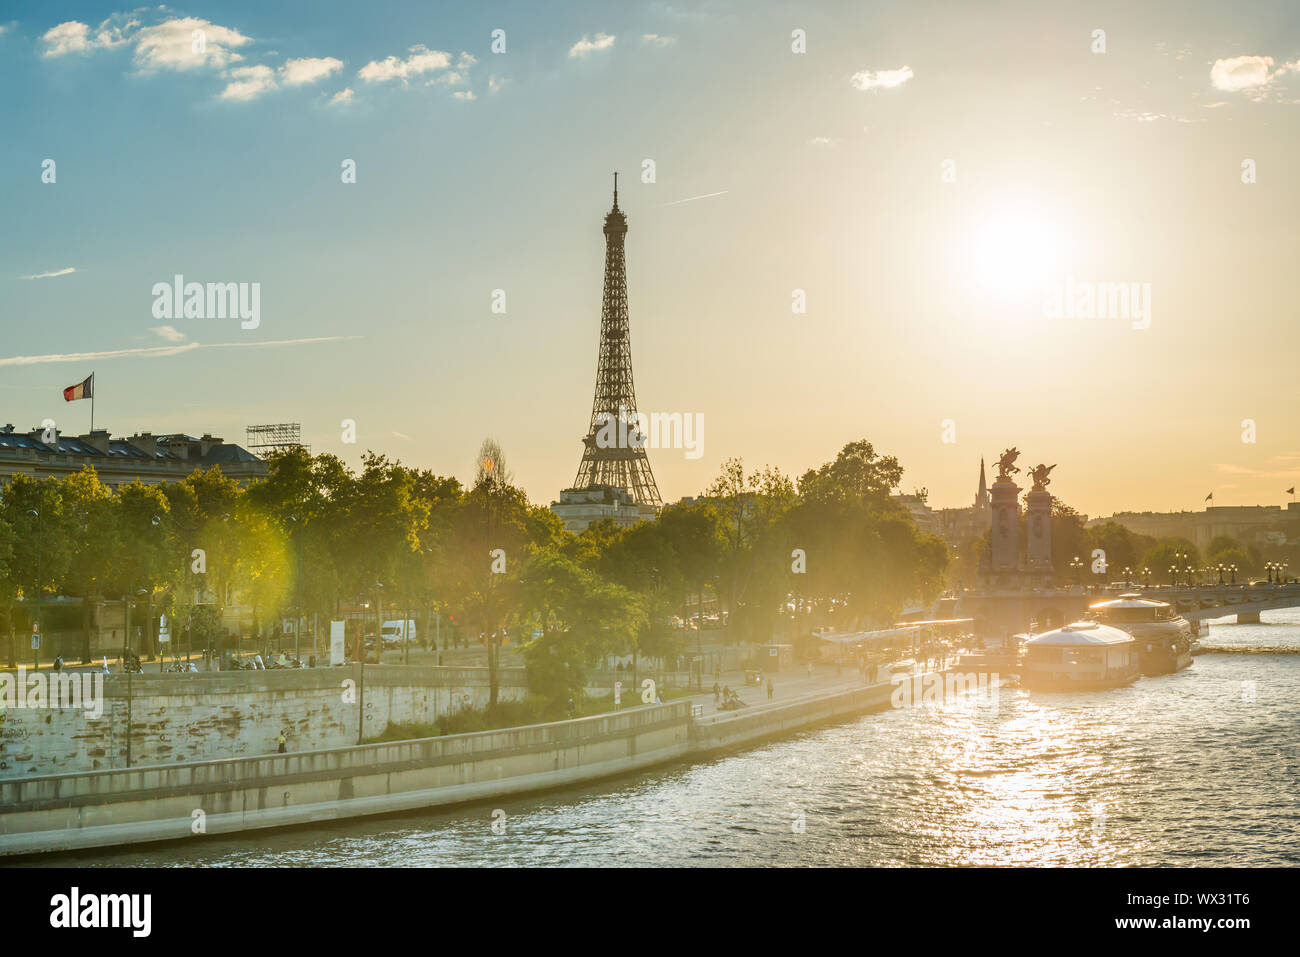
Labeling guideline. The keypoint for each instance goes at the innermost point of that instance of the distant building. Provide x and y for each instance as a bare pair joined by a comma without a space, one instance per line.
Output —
580,507
961,526
150,458
1259,525
922,515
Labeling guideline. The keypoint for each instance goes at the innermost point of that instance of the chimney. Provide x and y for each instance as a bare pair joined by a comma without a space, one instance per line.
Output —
39,435
207,443
97,439
146,442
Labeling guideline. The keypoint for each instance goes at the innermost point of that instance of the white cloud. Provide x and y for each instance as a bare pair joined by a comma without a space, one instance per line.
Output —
248,83
170,333
882,79
342,96
172,45
180,43
1241,73
822,141
421,60
466,61
658,40
465,95
51,275
296,72
602,41
495,83
450,78
75,37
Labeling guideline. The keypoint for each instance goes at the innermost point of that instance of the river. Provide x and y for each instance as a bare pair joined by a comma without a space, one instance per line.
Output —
1201,767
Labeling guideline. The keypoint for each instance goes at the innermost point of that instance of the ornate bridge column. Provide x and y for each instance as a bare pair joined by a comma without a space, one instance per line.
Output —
1038,507
1005,535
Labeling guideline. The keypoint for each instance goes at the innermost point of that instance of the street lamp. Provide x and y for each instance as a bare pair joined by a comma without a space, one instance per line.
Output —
1220,573
1234,573
1077,565
297,622
36,625
1173,575
1146,575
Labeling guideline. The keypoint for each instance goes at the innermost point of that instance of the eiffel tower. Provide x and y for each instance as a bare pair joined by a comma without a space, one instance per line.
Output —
622,464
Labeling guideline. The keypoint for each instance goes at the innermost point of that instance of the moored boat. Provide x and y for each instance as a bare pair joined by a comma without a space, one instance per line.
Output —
1082,656
1164,637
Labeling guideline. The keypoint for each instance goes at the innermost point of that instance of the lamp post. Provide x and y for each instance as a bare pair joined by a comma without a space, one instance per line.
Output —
1077,565
1234,573
1220,573
1173,576
38,514
1146,575
297,621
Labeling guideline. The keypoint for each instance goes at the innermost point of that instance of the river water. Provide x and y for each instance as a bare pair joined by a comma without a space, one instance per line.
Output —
1201,767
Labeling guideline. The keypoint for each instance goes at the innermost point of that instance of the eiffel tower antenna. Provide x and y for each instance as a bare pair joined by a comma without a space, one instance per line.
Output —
622,463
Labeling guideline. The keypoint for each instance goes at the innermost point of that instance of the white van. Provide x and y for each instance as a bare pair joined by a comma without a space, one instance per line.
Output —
396,631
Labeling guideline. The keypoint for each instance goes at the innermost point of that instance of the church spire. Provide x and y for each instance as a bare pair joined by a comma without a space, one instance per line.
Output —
983,497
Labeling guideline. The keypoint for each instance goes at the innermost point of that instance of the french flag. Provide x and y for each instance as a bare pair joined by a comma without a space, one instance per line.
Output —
82,390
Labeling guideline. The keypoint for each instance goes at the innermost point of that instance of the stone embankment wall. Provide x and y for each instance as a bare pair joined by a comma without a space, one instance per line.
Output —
174,718
184,801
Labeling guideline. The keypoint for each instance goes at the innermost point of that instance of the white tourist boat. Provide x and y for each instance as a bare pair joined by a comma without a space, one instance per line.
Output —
1082,656
1164,637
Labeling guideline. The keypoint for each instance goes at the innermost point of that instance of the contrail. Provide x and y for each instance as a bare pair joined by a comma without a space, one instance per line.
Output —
157,352
691,199
51,275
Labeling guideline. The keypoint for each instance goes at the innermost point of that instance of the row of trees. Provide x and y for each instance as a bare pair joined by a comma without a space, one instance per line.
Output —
315,535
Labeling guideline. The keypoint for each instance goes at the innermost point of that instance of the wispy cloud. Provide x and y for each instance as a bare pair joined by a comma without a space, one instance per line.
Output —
301,70
655,39
882,79
691,199
602,41
158,352
50,275
170,333
342,96
421,60
1241,72
248,83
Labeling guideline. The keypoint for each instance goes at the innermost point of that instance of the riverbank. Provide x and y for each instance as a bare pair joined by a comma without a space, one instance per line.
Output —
183,801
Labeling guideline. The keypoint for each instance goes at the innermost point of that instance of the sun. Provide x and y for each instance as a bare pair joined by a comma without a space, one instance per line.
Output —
1014,253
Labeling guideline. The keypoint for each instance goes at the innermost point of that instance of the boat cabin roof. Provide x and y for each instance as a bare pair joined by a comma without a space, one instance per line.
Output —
1081,633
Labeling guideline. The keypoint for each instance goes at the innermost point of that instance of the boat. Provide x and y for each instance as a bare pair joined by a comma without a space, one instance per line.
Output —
1164,638
1082,656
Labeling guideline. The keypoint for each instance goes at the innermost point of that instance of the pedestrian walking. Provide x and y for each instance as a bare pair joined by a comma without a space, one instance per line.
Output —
281,741
771,692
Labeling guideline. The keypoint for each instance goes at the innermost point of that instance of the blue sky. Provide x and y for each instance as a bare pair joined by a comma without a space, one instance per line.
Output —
478,171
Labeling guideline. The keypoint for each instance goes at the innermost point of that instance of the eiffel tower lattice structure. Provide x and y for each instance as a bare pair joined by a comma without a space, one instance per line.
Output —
621,464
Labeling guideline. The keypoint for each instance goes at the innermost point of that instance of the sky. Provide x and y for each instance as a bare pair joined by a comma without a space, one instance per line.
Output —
930,176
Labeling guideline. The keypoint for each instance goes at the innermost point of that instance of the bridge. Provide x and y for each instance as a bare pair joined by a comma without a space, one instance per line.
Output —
1010,609
1198,602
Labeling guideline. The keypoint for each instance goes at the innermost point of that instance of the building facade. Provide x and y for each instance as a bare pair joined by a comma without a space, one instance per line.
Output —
149,458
